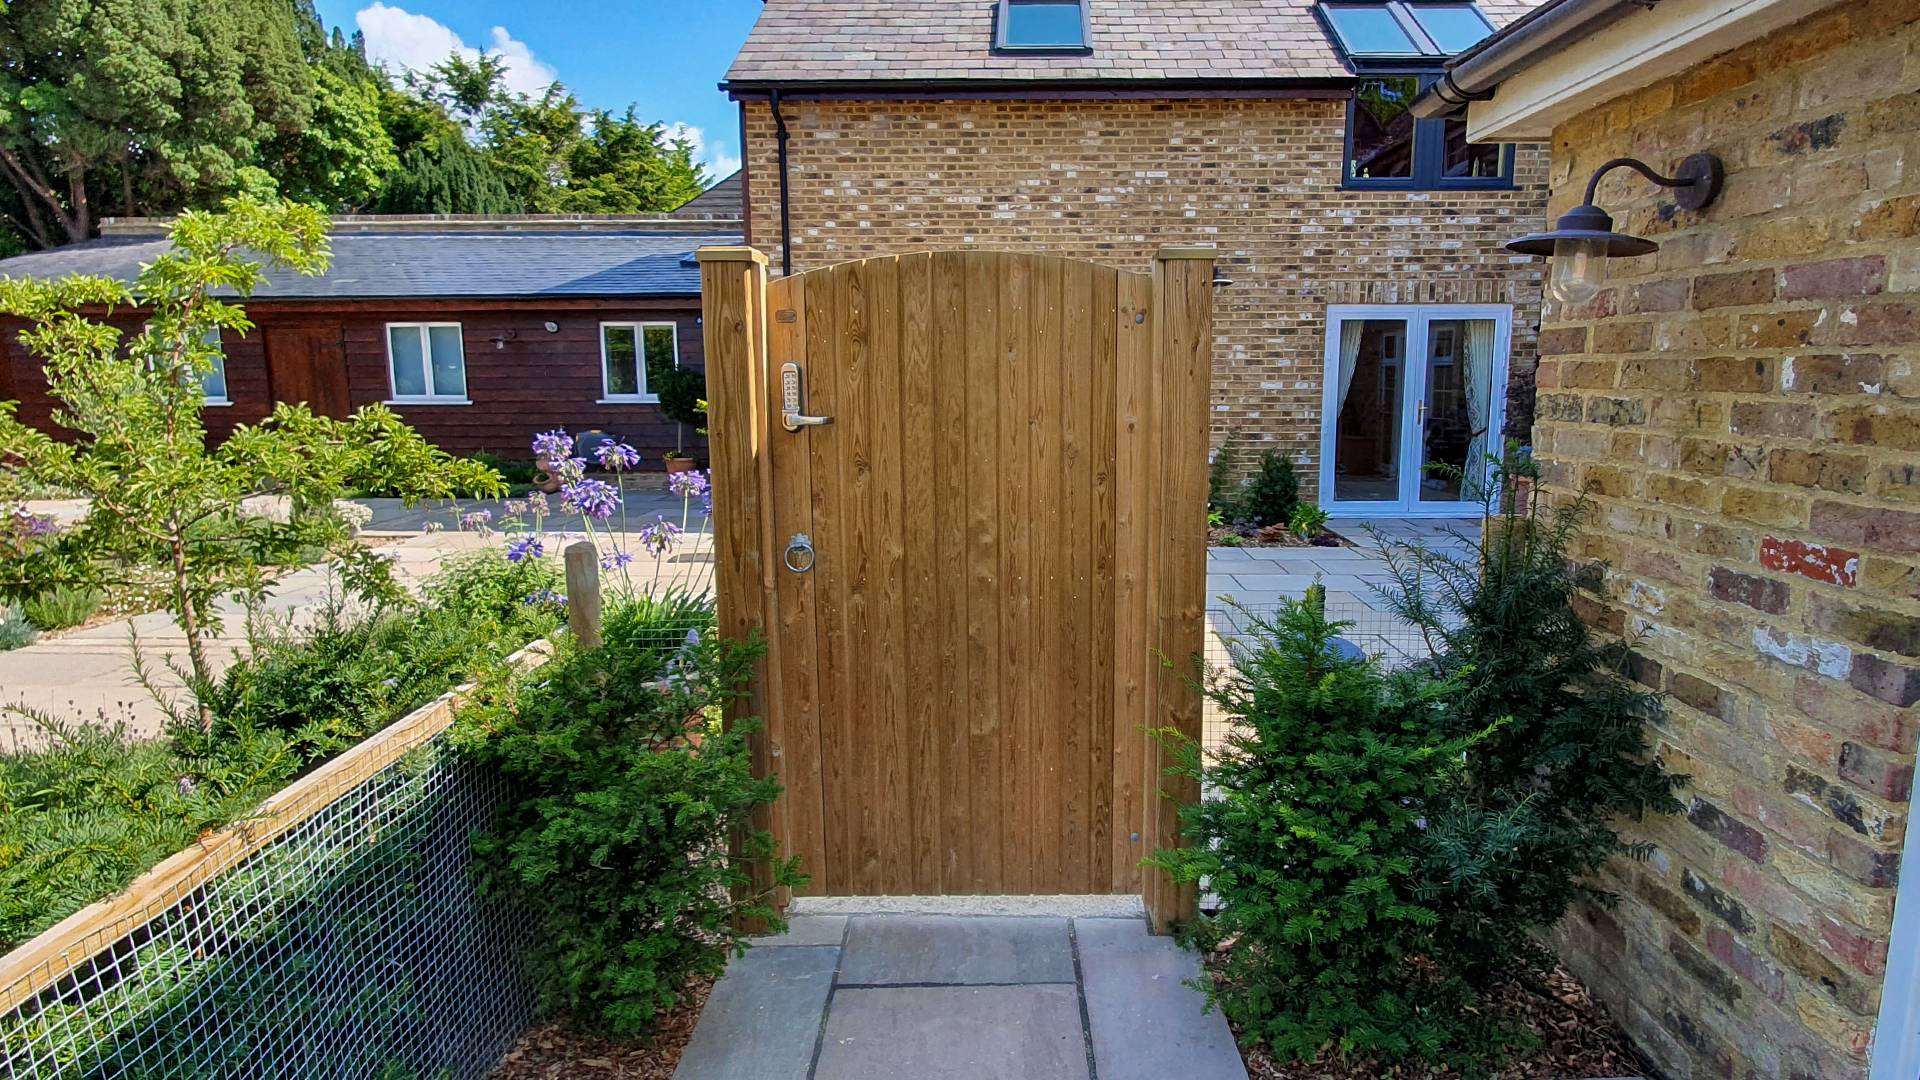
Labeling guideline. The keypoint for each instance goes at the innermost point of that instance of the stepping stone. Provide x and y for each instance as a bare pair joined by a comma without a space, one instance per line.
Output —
1147,1024
956,949
807,930
763,1017
955,1033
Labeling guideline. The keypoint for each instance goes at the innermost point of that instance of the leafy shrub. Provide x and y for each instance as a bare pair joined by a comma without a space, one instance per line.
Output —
631,791
1272,494
682,394
1220,495
62,606
1522,836
1323,790
15,631
518,472
1307,521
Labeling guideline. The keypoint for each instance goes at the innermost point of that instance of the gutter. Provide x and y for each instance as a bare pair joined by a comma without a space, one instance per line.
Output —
786,206
1089,88
1473,75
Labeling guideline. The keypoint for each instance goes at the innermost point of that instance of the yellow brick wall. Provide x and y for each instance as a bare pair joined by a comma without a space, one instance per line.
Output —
1112,180
1746,406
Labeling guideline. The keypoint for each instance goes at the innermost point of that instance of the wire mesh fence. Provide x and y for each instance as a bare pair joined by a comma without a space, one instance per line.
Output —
1370,629
354,944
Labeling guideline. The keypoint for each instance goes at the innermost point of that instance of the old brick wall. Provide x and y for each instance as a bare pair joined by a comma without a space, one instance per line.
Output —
1112,180
1745,406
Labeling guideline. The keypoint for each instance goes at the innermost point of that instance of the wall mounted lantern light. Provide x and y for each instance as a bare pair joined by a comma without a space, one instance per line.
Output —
1582,241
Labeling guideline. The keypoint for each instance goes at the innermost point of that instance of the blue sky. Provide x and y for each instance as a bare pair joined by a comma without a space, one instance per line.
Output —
666,58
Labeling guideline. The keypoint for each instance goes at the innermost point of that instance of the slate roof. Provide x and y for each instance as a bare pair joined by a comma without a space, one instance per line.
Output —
725,200
805,41
375,265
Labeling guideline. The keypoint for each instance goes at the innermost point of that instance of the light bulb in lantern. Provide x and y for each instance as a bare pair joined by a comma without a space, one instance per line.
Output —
1579,266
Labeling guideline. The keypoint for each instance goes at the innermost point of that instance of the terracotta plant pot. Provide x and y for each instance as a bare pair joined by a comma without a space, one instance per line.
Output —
680,464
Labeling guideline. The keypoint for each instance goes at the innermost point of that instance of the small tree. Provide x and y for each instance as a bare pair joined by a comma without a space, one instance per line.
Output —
166,511
1273,493
1534,819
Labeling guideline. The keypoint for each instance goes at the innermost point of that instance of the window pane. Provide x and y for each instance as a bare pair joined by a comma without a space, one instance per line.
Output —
1453,27
1044,22
1383,128
1369,407
213,383
660,354
1471,159
1370,30
449,365
623,374
403,352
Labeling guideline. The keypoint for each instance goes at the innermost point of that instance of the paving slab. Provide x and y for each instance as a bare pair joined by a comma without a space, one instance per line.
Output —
808,930
955,1033
1145,1022
966,949
762,1020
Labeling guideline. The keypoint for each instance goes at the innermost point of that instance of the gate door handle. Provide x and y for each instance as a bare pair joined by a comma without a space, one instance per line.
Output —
791,417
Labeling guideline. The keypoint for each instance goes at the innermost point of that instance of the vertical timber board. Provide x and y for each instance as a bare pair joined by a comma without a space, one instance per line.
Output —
838,778
800,815
1103,732
1183,300
893,870
923,617
989,700
1132,580
1076,536
951,707
733,284
1047,711
1015,610
855,374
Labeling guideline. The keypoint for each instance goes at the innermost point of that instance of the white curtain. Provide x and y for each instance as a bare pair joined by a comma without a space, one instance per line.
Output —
1350,332
1476,372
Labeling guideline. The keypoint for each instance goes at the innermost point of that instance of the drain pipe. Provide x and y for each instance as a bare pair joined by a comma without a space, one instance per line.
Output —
1472,75
786,208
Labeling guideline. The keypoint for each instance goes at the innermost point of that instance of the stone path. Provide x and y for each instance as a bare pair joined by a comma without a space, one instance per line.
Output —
961,997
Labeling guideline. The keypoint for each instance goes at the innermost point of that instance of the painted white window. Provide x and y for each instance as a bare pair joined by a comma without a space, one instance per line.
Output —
628,353
426,364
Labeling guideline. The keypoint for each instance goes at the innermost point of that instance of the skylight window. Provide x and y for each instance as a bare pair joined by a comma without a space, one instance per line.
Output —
1042,24
1397,29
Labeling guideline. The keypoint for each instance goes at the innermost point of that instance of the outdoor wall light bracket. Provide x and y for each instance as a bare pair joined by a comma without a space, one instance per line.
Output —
1583,239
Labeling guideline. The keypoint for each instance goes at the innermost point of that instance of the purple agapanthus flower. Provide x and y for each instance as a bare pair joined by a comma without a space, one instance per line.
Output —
617,456
616,560
659,537
475,520
31,526
555,445
687,484
706,501
595,498
546,596
527,547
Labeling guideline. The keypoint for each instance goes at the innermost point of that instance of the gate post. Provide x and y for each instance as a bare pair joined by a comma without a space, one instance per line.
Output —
733,303
1183,370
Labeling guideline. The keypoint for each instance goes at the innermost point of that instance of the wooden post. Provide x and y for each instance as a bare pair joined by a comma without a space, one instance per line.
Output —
583,593
733,304
1182,368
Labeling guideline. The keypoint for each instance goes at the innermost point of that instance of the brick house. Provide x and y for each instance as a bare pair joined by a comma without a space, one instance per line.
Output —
480,332
1355,237
1744,405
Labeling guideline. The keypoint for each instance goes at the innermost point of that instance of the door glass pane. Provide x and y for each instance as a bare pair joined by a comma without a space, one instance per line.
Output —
1383,128
623,379
1454,431
1370,372
409,370
660,356
449,366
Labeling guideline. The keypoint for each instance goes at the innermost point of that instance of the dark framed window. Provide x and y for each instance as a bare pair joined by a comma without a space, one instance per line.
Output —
1388,148
1396,29
1042,26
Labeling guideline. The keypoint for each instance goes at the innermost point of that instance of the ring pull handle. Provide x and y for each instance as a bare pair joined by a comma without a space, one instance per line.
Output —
799,555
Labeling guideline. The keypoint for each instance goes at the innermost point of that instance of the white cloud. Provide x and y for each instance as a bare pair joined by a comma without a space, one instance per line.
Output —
404,41
717,156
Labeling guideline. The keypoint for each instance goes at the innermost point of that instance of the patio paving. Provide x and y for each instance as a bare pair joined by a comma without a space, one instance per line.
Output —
961,996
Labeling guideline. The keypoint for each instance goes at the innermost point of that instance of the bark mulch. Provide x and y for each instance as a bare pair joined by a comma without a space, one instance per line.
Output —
1578,1039
551,1052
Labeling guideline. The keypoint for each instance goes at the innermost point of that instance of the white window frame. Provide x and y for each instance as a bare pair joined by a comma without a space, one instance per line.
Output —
1896,1038
646,396
212,337
394,397
1413,385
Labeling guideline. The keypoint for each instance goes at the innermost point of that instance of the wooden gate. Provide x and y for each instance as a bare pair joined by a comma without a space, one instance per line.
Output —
968,577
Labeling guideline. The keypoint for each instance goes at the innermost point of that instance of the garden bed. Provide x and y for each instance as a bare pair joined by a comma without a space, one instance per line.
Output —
552,1052
1577,1038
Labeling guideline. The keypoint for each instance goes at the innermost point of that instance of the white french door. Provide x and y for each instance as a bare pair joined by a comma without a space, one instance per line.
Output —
1410,387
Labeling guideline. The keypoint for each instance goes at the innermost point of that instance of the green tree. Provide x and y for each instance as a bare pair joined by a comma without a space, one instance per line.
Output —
165,510
447,176
141,105
343,157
